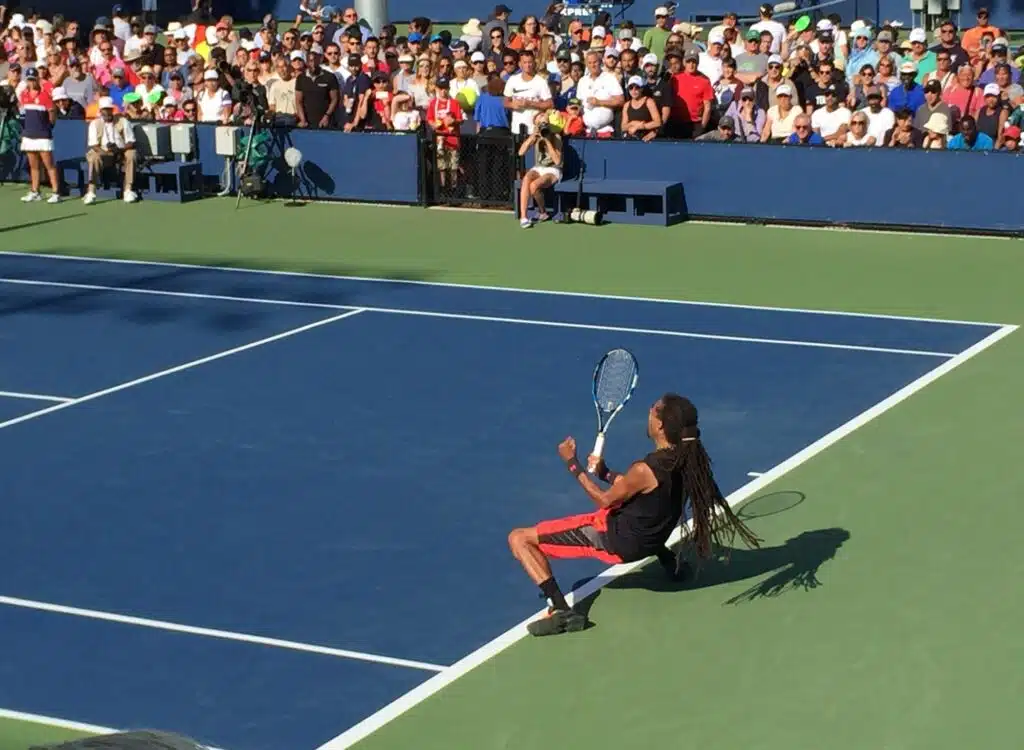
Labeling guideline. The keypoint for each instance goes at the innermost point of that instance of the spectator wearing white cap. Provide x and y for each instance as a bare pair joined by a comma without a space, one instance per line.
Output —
993,114
478,62
214,102
767,23
909,94
656,36
601,95
66,108
710,62
766,85
781,118
920,55
527,93
641,118
110,142
660,87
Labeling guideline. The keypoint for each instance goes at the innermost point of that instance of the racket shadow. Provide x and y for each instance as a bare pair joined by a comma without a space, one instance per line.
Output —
791,566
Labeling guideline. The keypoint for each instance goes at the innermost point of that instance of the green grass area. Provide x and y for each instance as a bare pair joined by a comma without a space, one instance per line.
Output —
911,640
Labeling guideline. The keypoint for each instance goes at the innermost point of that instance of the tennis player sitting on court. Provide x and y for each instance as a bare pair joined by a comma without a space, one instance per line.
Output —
636,514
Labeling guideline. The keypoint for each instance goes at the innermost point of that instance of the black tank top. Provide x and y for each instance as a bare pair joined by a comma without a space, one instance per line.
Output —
641,526
989,123
638,114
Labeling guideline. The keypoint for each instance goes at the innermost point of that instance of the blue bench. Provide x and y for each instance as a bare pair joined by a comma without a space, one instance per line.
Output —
651,202
169,181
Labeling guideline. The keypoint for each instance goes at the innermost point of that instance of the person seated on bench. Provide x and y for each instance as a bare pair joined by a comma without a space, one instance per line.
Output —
111,142
547,167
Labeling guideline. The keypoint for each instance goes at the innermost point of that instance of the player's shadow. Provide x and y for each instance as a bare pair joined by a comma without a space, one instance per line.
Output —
793,566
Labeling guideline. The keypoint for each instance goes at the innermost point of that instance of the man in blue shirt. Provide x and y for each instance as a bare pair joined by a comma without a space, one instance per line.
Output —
969,139
803,134
909,94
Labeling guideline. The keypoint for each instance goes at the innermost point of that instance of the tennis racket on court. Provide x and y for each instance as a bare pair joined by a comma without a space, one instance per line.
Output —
615,379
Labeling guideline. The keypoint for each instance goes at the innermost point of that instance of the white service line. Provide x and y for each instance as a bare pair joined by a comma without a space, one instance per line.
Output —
487,288
489,650
176,369
145,622
491,319
755,474
34,396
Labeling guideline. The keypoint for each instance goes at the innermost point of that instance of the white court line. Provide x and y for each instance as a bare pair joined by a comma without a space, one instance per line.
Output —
176,369
490,288
53,721
755,474
489,650
227,635
34,396
487,319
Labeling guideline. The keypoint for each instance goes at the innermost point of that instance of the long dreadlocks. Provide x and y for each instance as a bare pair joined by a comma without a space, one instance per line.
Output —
714,523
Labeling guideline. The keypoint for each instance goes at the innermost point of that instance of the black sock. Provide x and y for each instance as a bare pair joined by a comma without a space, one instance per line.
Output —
667,558
553,593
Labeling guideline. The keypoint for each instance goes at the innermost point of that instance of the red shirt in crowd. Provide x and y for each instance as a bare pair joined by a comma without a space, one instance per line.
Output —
691,90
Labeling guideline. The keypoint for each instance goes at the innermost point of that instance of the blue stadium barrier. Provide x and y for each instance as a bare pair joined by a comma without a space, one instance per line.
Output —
749,182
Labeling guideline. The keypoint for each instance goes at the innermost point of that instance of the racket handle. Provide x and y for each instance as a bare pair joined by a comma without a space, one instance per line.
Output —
598,452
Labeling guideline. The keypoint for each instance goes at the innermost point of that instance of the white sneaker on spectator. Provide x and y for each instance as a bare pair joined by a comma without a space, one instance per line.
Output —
130,196
90,198
526,223
54,198
32,196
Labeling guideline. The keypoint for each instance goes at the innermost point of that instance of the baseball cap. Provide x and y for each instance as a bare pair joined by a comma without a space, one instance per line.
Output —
727,122
918,35
478,57
436,38
635,81
611,52
661,10
716,39
991,89
407,58
933,86
574,102
210,75
316,49
31,73
563,55
297,55
59,93
415,37
355,61
151,29
747,93
909,67
752,35
441,83
885,36
649,59
783,89
691,55
597,31
775,60
105,102
1010,131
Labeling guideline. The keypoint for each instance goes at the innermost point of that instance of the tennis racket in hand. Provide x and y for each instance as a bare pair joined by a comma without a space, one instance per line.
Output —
615,379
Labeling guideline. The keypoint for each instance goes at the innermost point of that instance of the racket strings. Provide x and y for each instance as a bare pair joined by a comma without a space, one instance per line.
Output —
614,380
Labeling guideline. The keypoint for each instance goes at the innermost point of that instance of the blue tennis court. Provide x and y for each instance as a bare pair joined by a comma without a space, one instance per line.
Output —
258,507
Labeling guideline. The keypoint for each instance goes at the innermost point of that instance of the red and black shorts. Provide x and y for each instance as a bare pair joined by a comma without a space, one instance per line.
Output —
584,535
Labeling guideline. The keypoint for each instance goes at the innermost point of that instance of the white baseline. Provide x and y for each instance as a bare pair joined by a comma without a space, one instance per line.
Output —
489,650
488,288
34,396
485,318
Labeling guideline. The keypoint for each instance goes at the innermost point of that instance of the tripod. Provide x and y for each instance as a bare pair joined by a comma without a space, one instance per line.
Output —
245,159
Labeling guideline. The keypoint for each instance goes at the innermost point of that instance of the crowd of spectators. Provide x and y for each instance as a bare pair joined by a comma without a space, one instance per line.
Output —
810,84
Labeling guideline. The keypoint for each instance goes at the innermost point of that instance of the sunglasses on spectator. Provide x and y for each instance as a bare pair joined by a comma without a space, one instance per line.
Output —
509,62
801,127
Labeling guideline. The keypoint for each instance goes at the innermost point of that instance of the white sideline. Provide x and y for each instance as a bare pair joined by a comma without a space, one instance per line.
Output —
52,721
489,650
489,288
34,396
178,368
227,635
485,318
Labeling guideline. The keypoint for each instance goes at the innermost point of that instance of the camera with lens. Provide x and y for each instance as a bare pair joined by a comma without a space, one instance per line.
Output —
8,100
544,130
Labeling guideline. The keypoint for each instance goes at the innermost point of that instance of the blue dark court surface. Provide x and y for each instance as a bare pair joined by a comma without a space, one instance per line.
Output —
346,486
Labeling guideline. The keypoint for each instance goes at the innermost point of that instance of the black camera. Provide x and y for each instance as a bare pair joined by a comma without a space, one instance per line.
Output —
544,130
8,100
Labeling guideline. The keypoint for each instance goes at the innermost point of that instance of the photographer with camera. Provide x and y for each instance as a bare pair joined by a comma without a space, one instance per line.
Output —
250,96
546,170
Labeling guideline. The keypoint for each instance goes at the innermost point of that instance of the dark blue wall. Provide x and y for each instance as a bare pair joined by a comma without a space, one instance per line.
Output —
382,168
748,181
834,186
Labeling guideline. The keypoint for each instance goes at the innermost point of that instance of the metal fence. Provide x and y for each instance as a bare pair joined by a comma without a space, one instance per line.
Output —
470,170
